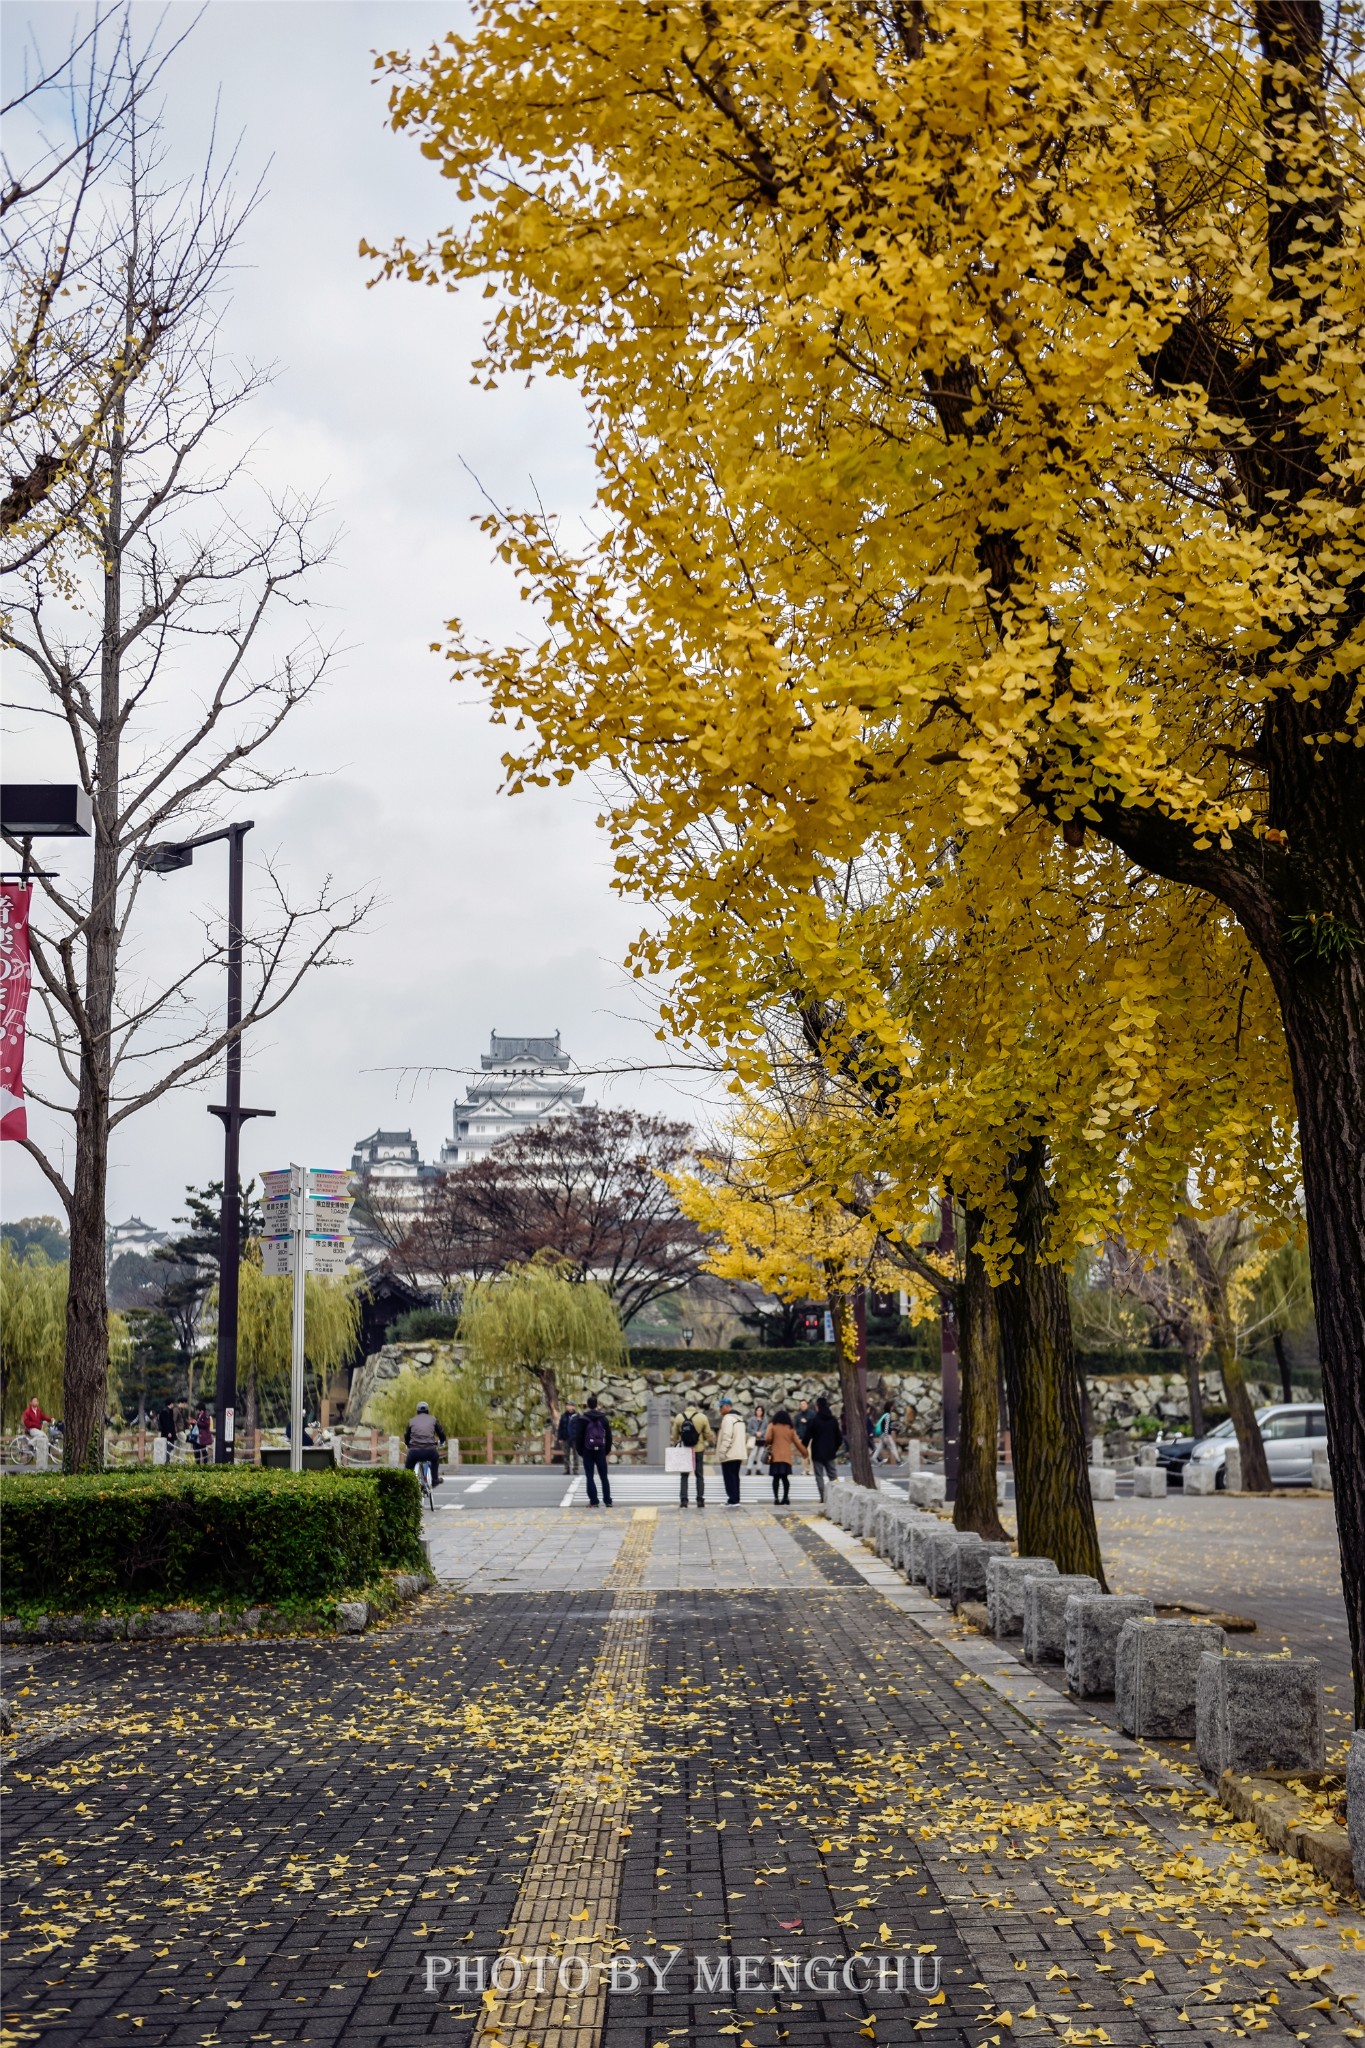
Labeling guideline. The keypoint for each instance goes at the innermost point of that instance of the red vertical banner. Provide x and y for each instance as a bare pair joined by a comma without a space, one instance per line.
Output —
16,978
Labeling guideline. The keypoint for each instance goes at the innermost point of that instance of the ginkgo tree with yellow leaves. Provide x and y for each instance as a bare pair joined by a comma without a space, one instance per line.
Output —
768,1218
1025,349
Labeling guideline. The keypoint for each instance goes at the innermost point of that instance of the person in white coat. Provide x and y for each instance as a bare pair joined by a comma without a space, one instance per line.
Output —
732,1441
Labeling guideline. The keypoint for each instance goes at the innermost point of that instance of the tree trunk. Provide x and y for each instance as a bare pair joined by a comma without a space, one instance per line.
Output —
86,1369
1194,1358
1286,1370
1324,1016
253,1421
1214,1286
975,1507
549,1386
851,1388
1055,1512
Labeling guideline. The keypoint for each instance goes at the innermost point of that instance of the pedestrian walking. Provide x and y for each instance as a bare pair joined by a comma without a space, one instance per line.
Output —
758,1429
804,1419
784,1447
732,1440
885,1449
823,1447
567,1436
165,1422
594,1447
692,1430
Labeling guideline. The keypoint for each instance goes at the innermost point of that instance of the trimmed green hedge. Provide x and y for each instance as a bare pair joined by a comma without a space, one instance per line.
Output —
204,1534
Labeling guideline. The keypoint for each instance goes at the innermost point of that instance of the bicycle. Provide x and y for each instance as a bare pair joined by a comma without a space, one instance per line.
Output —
424,1475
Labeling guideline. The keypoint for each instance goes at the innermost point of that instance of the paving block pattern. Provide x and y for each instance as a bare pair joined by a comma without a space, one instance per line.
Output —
1257,1713
1156,1669
1045,1598
1093,1622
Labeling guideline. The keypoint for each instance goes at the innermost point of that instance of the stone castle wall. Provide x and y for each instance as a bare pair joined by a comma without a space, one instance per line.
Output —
1115,1400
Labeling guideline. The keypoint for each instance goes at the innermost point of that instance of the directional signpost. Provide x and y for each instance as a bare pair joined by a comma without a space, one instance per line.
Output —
307,1220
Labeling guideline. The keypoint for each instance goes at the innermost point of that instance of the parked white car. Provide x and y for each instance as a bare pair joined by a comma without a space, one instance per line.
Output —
1288,1432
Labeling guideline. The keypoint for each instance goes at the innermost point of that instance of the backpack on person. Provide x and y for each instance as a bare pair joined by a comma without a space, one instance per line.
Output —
689,1434
595,1435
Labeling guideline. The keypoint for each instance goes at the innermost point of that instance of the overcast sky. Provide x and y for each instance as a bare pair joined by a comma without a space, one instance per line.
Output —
497,912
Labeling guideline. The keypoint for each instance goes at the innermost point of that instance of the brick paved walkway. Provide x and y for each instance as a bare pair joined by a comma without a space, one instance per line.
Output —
217,1842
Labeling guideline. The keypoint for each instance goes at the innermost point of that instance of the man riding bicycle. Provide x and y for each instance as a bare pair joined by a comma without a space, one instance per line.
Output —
424,1437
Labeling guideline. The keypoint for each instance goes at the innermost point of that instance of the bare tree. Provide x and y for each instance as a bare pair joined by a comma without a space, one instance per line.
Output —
590,1187
72,356
161,626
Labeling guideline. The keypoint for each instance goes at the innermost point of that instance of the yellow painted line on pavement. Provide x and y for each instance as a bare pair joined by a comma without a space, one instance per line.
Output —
564,1924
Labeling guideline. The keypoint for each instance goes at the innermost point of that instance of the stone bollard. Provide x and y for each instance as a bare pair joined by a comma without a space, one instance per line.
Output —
1155,1675
926,1488
1104,1483
972,1561
1258,1713
1355,1806
1150,1483
1232,1469
1146,1454
1322,1480
914,1455
159,1450
395,1450
1045,1599
1200,1478
834,1501
940,1560
914,1531
886,1521
1005,1578
922,1534
863,1508
1093,1621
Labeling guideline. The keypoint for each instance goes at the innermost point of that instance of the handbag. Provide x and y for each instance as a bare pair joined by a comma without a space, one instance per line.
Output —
677,1458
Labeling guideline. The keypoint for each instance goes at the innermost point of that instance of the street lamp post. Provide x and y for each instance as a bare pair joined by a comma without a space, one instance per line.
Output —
164,860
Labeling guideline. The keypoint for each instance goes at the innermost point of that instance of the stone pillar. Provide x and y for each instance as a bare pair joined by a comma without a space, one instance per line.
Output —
658,1423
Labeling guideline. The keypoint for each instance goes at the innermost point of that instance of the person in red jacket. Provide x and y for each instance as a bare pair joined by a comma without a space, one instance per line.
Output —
34,1418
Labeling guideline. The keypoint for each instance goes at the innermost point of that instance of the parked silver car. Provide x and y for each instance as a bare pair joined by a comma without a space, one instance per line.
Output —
1288,1431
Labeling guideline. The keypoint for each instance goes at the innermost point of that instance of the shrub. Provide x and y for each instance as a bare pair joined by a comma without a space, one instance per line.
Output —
202,1535
422,1324
399,1498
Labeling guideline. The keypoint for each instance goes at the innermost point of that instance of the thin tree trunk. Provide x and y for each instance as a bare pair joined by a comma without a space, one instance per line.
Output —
975,1507
1055,1512
86,1370
1214,1286
1194,1359
851,1388
1286,1370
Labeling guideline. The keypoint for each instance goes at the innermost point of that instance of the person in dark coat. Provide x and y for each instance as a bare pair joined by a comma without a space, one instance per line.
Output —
567,1436
823,1445
593,1443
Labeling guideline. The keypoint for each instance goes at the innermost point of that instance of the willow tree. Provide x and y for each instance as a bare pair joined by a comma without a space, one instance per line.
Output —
537,1319
32,1330
265,1312
1042,331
